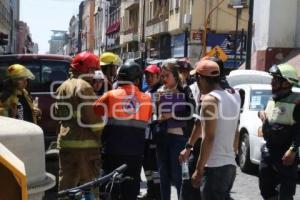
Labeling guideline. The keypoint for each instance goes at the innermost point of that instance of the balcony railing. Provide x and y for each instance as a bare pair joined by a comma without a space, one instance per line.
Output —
160,18
131,30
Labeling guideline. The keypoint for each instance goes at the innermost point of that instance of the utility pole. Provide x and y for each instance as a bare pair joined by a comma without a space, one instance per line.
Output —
249,35
238,12
144,52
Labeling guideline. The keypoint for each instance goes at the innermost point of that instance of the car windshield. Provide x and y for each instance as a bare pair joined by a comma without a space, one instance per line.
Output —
259,99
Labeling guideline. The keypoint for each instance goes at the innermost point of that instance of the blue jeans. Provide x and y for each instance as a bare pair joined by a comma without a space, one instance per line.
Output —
217,182
168,150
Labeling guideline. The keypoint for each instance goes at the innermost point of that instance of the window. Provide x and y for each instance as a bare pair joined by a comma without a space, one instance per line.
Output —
150,10
176,4
53,71
259,99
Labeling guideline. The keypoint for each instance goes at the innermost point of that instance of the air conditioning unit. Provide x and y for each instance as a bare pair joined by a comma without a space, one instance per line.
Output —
187,19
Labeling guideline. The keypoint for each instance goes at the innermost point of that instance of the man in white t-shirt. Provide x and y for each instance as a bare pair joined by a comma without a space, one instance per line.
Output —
216,169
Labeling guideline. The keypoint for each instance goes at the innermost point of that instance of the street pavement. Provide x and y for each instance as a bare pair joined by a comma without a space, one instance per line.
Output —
245,187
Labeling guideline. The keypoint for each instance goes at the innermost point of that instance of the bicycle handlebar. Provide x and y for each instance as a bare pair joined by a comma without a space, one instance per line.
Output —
121,169
96,182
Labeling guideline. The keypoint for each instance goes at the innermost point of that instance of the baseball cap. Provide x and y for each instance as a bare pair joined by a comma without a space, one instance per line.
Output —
153,69
206,68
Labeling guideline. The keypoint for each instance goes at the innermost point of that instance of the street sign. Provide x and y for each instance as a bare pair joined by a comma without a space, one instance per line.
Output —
218,52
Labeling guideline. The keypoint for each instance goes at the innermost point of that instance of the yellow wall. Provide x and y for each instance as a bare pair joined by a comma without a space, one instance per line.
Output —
222,19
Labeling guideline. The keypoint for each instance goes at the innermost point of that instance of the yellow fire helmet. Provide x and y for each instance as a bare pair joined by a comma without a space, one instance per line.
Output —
109,58
17,71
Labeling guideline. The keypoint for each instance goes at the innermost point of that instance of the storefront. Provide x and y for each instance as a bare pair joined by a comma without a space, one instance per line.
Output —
178,45
159,47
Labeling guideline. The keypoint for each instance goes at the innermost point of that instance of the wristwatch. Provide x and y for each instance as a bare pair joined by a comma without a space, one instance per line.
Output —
188,146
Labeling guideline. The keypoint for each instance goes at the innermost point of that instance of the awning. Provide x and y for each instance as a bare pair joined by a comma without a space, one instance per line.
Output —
114,27
13,176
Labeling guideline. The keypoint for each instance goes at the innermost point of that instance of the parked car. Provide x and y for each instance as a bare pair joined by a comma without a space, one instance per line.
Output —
47,69
255,91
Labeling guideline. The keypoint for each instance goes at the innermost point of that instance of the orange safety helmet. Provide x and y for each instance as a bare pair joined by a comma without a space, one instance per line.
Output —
84,62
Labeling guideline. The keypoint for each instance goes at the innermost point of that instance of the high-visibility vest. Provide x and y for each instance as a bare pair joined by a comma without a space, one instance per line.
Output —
128,111
281,112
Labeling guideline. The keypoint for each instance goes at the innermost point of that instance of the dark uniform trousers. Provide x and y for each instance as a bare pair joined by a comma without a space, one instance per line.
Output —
276,178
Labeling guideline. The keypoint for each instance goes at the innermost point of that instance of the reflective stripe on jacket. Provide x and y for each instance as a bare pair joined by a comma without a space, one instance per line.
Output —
79,126
128,111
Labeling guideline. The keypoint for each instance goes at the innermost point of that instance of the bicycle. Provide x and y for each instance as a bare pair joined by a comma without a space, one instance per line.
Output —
83,192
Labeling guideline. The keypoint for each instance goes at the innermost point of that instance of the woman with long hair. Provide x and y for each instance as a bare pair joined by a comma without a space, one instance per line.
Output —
14,99
175,106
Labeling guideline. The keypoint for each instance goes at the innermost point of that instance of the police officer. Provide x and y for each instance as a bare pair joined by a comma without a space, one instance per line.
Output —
80,129
128,111
281,122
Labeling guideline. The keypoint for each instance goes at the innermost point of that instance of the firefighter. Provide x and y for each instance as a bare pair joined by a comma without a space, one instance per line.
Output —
152,73
109,63
80,129
128,111
15,100
281,123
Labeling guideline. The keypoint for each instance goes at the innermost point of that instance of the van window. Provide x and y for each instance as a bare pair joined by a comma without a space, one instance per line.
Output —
47,73
259,99
54,71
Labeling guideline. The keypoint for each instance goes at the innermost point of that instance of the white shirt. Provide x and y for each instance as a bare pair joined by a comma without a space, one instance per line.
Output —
227,120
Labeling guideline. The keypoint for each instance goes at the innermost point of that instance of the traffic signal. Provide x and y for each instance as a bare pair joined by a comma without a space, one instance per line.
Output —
3,39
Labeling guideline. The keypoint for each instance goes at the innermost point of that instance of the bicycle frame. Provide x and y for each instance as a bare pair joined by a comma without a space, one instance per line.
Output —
83,192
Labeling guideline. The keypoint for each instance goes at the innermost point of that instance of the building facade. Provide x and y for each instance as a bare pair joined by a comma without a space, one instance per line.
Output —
112,42
156,34
72,47
25,43
9,21
160,29
57,42
15,17
129,37
101,22
276,34
87,32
